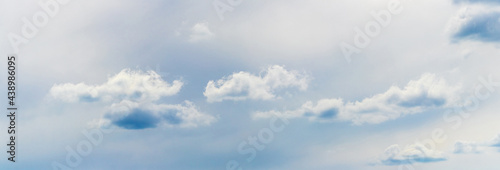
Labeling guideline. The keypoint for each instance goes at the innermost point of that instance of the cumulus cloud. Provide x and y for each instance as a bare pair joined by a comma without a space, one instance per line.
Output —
428,92
133,96
200,32
132,115
126,85
244,85
393,155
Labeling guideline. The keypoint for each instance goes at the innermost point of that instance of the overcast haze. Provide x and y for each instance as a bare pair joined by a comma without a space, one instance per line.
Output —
254,84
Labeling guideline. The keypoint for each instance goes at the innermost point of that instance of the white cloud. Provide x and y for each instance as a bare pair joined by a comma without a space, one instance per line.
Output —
243,85
393,155
128,84
428,92
200,32
133,96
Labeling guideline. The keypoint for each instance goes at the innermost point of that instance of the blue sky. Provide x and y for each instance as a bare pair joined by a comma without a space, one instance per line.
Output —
255,84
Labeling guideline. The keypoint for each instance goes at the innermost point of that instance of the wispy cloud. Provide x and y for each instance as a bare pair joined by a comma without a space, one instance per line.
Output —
200,32
463,147
467,147
394,155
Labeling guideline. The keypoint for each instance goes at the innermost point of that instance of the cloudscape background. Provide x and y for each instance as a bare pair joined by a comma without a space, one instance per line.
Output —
194,84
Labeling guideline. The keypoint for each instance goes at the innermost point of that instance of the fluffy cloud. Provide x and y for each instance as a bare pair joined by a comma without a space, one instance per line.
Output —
393,155
126,85
243,85
133,96
428,92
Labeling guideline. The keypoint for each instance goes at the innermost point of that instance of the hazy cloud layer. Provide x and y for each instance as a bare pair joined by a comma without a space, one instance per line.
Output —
88,38
476,1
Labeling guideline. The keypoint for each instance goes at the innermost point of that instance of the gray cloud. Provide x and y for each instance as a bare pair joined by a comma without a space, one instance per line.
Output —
479,27
131,115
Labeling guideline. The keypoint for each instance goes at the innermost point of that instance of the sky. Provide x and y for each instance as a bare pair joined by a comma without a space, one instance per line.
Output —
239,84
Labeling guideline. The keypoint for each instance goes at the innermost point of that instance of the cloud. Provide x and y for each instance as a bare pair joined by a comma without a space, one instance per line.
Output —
393,155
478,26
244,85
200,32
132,115
496,141
462,147
133,95
126,85
467,147
324,110
428,92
